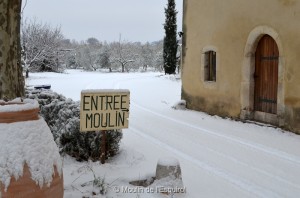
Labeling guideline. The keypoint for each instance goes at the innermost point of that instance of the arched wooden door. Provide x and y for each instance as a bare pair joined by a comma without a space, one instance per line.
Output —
266,75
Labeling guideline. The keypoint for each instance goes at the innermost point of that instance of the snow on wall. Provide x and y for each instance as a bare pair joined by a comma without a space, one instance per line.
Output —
29,142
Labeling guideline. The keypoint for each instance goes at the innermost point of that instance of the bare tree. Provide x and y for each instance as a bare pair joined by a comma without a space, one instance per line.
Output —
147,56
88,54
11,78
41,45
158,60
93,55
122,53
87,58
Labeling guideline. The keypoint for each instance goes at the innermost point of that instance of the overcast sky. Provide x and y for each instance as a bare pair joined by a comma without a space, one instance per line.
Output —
135,20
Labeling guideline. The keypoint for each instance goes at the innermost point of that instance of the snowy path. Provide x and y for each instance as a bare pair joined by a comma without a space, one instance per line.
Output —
201,151
257,169
219,157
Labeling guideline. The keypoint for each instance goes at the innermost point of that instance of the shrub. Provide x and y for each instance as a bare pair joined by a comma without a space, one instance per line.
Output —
62,117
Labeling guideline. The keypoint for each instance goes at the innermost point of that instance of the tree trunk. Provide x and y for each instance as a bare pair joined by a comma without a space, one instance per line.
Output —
123,67
11,77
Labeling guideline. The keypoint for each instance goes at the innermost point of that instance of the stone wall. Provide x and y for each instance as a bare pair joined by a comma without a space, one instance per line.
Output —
233,28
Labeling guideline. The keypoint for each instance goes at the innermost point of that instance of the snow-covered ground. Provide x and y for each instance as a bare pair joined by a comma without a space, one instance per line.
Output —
218,157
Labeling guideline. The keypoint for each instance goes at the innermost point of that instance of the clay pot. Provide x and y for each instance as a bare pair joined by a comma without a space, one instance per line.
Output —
25,186
18,116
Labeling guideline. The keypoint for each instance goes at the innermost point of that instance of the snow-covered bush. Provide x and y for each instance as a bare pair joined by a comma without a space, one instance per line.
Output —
87,146
62,117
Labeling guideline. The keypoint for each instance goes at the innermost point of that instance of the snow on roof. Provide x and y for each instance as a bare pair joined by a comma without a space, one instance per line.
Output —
14,105
29,142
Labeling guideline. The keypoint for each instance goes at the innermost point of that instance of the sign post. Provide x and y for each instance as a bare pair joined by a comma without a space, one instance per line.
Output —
102,110
103,147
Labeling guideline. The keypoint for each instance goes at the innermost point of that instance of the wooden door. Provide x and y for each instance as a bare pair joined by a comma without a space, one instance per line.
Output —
266,75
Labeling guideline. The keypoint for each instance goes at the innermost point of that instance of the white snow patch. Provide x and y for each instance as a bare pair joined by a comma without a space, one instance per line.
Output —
168,161
11,106
180,105
29,142
218,157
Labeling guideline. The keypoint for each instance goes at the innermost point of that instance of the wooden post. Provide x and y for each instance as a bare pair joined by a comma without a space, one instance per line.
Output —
103,147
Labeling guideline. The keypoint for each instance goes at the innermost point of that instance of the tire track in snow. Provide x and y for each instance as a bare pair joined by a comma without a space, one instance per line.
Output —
256,146
235,160
241,183
246,166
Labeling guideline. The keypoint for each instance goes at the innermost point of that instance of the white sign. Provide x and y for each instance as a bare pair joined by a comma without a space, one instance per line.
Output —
104,109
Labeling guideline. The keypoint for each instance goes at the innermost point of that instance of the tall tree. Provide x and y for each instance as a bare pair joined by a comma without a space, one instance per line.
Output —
170,39
11,77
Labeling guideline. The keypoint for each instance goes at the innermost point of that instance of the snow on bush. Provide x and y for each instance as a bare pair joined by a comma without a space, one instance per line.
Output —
62,117
87,146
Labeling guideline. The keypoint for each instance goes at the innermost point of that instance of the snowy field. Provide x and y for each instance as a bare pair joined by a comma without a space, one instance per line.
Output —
218,157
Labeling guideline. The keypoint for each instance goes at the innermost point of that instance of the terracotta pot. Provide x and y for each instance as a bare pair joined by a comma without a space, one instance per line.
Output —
25,186
19,116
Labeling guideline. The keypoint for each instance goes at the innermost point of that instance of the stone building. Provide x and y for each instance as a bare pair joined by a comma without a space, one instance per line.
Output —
241,59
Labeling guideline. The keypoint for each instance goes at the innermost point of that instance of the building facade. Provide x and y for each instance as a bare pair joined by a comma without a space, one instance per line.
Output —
241,59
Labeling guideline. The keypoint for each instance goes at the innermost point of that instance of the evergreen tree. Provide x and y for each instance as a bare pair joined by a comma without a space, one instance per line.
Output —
170,40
